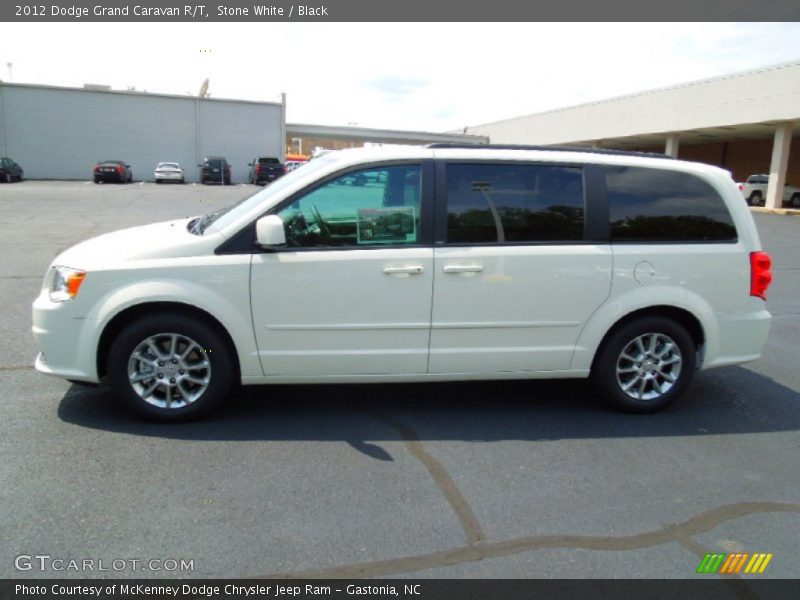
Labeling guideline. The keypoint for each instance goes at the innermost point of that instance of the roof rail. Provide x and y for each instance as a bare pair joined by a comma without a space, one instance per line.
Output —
550,149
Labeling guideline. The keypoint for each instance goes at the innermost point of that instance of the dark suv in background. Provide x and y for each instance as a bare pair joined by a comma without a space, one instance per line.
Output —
9,170
215,169
265,169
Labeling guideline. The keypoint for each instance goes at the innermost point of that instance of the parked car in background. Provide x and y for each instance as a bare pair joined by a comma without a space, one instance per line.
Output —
451,263
754,190
112,170
169,171
9,170
215,169
265,169
291,165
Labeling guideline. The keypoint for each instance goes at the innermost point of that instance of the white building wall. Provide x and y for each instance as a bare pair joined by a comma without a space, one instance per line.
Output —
60,133
769,94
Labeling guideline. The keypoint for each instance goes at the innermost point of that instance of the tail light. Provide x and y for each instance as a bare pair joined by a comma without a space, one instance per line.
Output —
119,169
258,168
741,187
760,274
96,169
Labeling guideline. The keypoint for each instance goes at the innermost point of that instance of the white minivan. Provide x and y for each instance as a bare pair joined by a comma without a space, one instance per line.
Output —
421,264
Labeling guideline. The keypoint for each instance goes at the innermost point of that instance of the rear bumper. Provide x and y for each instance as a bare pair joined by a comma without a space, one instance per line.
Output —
268,177
110,176
168,176
741,339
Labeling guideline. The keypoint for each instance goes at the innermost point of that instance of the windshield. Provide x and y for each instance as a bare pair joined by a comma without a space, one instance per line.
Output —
168,166
225,216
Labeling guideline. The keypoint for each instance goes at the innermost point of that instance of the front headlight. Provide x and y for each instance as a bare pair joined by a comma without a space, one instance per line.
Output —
66,283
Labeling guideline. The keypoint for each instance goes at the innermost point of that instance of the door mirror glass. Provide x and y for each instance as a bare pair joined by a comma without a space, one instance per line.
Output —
270,232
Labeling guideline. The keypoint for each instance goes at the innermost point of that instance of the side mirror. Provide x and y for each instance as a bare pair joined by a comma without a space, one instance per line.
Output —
249,164
270,231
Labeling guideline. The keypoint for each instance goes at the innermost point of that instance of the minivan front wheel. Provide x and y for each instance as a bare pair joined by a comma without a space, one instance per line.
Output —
170,367
646,364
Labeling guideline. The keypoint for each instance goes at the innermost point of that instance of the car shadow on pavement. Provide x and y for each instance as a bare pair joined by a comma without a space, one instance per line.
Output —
722,401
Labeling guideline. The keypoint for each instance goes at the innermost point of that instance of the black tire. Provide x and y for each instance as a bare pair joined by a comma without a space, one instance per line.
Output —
755,199
604,371
795,201
216,352
182,181
20,177
96,180
7,178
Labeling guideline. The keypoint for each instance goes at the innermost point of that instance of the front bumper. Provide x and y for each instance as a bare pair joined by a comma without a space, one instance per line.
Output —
63,341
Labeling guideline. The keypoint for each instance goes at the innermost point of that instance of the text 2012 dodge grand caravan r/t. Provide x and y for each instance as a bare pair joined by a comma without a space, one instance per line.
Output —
422,264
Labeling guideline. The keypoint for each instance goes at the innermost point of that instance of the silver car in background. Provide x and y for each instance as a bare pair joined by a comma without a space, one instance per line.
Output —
169,171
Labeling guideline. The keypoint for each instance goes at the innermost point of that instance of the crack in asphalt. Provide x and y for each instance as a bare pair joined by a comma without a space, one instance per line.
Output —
464,513
701,523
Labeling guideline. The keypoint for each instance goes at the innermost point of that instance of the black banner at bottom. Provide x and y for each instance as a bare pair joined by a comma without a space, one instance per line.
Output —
389,589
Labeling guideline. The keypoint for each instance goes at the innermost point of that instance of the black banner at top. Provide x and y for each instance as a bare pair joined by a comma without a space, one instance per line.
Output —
399,11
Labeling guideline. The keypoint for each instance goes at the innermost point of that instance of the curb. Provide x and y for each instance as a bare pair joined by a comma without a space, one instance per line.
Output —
792,212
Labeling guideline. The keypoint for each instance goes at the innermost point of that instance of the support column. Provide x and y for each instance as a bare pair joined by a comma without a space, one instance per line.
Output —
777,168
282,147
3,150
671,147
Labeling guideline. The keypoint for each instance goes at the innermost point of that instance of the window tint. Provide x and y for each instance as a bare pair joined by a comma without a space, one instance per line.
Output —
656,205
513,203
363,208
268,161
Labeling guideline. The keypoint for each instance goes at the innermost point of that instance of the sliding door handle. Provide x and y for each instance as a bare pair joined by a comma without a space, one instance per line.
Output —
410,270
463,268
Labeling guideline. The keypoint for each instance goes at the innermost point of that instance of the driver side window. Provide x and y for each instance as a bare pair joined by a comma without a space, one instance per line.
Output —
371,207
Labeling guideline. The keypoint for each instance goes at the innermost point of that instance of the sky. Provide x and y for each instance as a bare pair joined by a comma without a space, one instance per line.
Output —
418,76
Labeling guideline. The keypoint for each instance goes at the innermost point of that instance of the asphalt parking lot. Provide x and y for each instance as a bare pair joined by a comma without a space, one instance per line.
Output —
502,479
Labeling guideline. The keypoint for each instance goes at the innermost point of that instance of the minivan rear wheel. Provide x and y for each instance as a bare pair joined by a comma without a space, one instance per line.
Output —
645,365
170,367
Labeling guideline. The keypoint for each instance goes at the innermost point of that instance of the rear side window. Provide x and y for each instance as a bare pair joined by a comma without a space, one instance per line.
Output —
653,205
514,203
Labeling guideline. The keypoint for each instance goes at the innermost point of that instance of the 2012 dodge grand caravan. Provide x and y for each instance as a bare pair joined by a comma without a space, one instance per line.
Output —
442,263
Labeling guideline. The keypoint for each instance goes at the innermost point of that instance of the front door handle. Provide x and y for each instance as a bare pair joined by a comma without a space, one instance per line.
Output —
410,270
463,268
